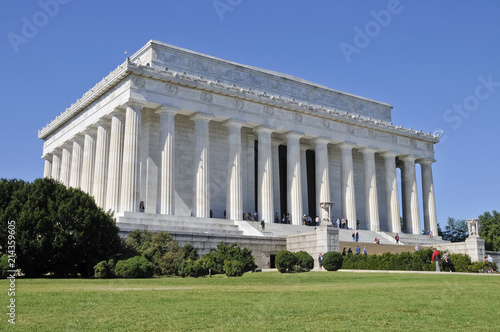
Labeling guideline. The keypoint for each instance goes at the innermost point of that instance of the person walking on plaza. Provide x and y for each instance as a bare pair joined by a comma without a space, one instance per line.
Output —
358,250
436,255
397,238
320,261
365,252
263,225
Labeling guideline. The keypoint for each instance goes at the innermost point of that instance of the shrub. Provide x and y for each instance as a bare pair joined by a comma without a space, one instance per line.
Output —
462,263
332,261
234,268
103,270
135,267
191,268
215,259
164,253
190,252
483,267
305,262
285,261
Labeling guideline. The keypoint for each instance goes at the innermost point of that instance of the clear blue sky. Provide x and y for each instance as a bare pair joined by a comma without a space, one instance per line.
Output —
430,60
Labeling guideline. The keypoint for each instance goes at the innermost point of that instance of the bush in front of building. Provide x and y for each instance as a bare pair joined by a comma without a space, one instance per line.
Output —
135,267
332,261
191,268
305,262
103,270
234,268
215,259
286,261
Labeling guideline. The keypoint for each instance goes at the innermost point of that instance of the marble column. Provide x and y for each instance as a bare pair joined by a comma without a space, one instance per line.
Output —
303,169
76,163
347,174
65,164
276,176
294,174
234,191
322,176
56,165
392,195
88,161
429,204
101,163
129,199
47,170
167,163
412,216
265,174
201,179
371,198
115,162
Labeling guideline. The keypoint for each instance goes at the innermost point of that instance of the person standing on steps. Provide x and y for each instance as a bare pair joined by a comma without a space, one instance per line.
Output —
397,238
263,225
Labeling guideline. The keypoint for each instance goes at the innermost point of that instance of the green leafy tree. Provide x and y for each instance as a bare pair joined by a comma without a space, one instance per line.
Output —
332,261
58,229
305,262
456,230
135,267
489,230
164,253
215,259
286,261
190,252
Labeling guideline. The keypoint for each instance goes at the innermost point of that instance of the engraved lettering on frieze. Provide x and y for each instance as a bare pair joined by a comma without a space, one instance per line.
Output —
413,143
394,139
172,58
297,117
138,82
372,134
350,129
429,146
268,110
206,97
238,104
325,123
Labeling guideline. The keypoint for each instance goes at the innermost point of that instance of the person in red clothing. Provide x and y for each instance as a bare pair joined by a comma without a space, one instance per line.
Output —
436,255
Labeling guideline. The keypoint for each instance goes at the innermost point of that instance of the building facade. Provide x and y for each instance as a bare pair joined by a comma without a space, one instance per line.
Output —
175,132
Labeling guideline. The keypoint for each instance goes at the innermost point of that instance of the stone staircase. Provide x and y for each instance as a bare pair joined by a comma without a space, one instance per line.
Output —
130,221
376,249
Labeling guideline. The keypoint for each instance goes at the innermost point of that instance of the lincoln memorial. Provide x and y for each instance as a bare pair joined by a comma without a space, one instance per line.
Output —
177,135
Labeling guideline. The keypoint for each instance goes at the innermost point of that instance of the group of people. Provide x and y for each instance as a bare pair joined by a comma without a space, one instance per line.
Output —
358,251
376,241
447,263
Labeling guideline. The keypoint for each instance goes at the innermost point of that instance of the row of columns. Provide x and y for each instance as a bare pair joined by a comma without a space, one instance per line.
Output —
105,163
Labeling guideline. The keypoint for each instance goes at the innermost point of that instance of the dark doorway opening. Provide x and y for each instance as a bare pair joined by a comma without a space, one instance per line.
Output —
272,262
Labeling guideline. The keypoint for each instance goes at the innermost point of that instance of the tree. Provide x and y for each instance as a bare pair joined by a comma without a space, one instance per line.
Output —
59,230
286,261
164,253
456,230
489,230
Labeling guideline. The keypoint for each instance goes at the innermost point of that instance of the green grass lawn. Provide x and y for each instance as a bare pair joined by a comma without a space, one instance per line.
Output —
313,301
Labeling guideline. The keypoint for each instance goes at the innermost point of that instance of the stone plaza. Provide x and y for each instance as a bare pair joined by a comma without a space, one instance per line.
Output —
192,144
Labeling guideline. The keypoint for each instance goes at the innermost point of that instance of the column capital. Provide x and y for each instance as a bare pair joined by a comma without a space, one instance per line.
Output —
389,154
367,150
167,109
56,152
202,116
293,134
47,156
264,129
77,138
304,147
251,136
91,131
102,122
68,145
425,161
321,140
117,113
134,104
276,142
234,123
347,145
408,158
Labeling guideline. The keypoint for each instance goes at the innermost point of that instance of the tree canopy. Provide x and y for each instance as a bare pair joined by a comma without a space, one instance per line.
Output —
58,230
489,230
456,230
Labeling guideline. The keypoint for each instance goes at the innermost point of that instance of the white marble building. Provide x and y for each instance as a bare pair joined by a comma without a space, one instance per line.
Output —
186,134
